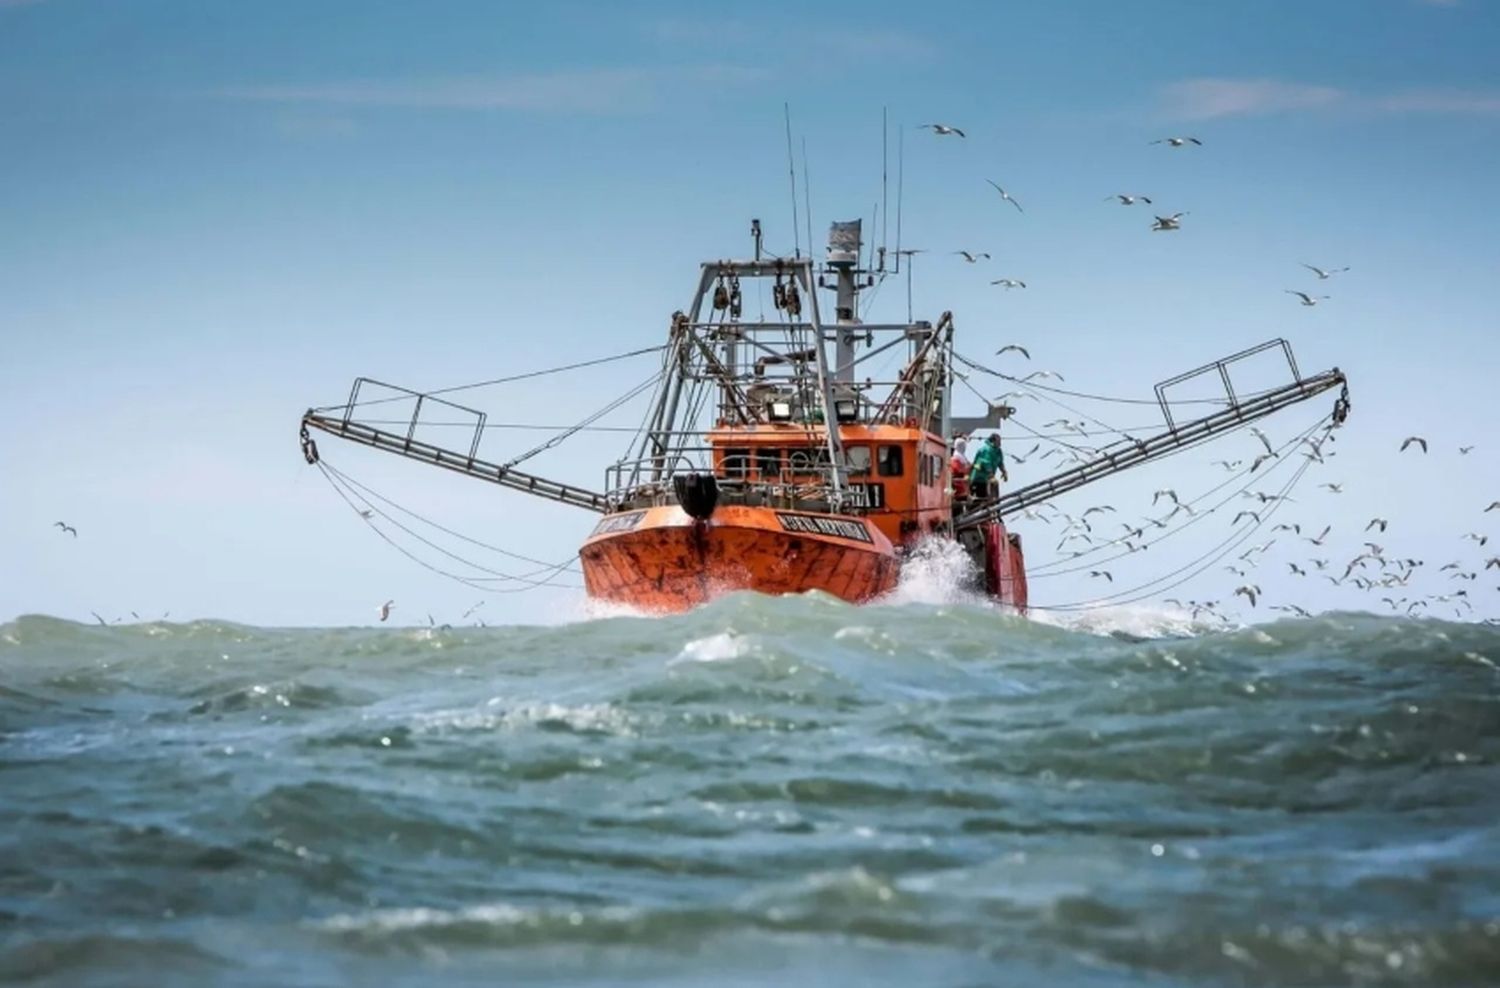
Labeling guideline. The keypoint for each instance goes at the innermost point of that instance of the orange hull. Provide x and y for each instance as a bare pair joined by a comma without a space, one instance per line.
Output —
659,559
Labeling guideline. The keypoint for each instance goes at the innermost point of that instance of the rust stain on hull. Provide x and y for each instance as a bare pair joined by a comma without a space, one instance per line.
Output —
666,562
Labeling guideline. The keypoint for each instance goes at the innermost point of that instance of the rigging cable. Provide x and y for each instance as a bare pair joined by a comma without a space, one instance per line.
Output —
503,380
477,583
367,492
1047,569
1234,540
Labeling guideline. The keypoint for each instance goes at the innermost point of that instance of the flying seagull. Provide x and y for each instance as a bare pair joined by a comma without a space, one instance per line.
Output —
1492,507
1335,488
942,130
1102,572
1009,282
1172,222
365,513
1306,298
385,609
1128,200
66,528
1005,195
1297,569
1374,522
1013,347
1178,142
1324,275
1413,439
1041,374
1249,592
1165,492
1262,437
1465,450
971,258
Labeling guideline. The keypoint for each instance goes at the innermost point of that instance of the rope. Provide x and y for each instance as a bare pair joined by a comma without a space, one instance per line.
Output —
1208,559
505,380
1042,571
369,492
474,582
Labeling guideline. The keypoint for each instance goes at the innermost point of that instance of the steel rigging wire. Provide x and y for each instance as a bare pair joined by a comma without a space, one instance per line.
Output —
1048,569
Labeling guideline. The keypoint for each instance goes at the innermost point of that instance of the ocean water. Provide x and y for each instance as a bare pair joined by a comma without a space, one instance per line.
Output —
787,791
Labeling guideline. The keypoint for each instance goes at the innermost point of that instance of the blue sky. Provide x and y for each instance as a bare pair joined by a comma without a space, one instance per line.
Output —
215,215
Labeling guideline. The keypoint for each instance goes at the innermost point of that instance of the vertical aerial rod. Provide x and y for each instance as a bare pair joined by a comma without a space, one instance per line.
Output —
791,170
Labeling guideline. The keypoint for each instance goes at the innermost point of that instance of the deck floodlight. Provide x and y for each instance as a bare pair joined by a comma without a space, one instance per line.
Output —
779,411
846,409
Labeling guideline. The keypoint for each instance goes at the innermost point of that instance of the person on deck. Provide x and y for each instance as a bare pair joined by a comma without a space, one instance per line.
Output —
960,467
987,462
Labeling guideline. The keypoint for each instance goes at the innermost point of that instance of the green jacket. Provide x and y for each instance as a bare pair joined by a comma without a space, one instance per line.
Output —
987,462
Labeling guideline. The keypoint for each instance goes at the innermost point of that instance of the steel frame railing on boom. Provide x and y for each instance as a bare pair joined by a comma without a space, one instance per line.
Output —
1239,412
468,463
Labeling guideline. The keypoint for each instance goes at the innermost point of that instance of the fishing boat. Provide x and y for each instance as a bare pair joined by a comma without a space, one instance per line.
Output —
774,459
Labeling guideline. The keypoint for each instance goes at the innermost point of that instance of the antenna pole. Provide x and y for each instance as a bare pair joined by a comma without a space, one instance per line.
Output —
885,186
900,186
791,169
807,198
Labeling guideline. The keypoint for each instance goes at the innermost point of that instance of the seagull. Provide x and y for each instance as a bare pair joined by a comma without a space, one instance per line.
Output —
1247,591
1492,507
1322,535
1306,298
1476,537
1165,492
1013,347
1041,374
1128,200
1262,437
1172,222
385,609
1297,569
99,619
1102,572
66,528
1228,464
1376,521
365,513
971,258
1324,275
1292,608
1413,439
942,130
473,609
1178,142
1009,282
1464,450
1335,488
1242,514
1006,196
1492,563
1255,463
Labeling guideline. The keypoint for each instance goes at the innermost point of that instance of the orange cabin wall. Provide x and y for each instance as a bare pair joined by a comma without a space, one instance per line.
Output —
907,499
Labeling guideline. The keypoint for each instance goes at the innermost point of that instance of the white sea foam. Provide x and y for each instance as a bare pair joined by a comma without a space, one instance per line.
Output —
1144,620
715,648
936,571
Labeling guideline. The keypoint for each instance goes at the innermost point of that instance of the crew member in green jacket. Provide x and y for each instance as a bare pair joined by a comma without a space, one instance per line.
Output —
987,462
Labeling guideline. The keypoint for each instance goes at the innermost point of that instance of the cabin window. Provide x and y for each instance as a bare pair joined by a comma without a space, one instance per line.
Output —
857,459
768,463
736,462
888,461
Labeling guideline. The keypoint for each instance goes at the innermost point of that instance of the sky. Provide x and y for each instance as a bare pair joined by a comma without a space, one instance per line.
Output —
213,216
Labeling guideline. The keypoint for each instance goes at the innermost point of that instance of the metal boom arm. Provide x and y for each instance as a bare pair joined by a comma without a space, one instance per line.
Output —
345,427
1143,451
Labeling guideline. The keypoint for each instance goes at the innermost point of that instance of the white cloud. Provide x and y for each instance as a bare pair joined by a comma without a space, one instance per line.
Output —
1208,98
1216,98
581,91
1442,101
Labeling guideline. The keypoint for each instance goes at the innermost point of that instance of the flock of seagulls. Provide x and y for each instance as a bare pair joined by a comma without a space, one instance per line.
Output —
1371,568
